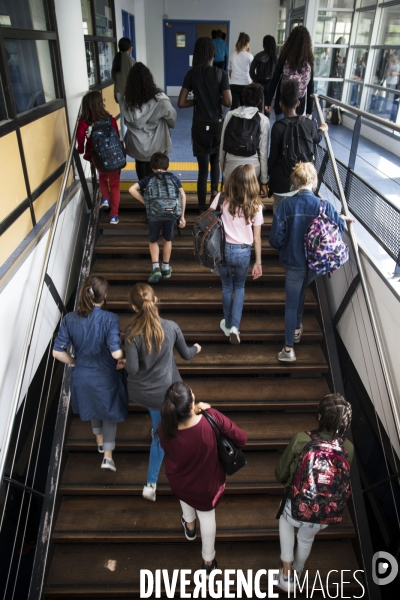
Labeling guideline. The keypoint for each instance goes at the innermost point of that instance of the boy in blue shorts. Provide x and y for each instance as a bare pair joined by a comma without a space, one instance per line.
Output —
165,202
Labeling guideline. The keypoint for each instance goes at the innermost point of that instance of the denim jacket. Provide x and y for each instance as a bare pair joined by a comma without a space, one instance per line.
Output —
291,221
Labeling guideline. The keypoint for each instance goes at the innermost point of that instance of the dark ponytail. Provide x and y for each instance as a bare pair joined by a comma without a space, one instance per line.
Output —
334,414
93,291
175,409
123,46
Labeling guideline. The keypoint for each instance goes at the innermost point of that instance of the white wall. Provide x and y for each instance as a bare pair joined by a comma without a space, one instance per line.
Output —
256,17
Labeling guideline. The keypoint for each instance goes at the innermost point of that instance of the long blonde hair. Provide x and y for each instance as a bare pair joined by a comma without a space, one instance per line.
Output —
242,190
243,40
146,321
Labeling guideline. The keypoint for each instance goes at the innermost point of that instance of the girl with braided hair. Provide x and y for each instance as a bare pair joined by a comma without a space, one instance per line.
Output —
210,86
334,418
98,389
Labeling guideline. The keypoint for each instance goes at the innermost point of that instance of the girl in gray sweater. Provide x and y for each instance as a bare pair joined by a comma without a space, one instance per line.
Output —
151,367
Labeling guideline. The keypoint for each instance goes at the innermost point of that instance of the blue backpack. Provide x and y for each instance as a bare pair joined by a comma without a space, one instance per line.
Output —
107,149
162,198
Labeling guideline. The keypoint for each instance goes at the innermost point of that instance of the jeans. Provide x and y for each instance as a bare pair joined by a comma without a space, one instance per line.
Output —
122,122
109,431
156,452
296,283
233,276
109,188
305,538
203,161
208,528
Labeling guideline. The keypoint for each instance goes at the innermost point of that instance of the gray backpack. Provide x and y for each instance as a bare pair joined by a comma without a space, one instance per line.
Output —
209,238
162,198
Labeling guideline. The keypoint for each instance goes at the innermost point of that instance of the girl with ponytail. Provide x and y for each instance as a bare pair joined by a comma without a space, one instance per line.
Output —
192,466
122,64
98,389
239,69
151,367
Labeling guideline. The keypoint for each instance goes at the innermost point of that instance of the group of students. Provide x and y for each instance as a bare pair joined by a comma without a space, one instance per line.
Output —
104,376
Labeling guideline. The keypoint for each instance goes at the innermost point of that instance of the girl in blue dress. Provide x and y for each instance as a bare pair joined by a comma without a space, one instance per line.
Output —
98,389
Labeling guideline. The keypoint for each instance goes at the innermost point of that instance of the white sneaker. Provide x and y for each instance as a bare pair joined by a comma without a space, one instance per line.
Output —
108,464
149,491
226,330
285,583
284,356
234,336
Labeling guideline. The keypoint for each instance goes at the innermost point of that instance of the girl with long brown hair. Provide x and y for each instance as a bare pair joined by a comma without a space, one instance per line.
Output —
242,212
151,367
98,390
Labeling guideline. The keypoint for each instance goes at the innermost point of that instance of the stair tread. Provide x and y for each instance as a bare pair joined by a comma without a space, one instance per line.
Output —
264,430
138,220
109,568
124,244
133,519
252,326
191,201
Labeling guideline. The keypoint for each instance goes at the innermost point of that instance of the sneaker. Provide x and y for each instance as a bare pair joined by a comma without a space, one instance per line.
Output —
114,220
167,274
285,583
209,568
284,356
100,448
225,329
297,336
149,491
108,464
105,204
234,336
190,534
155,276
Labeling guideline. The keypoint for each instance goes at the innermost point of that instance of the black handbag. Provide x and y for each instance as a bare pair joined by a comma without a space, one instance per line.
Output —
230,455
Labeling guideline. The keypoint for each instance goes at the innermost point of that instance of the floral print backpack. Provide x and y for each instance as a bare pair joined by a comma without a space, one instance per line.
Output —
321,485
303,77
324,248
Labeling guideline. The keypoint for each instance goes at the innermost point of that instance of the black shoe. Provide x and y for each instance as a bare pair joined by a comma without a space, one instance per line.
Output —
190,534
209,568
202,209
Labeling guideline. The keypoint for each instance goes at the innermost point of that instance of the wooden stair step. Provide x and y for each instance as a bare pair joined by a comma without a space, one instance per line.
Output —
112,570
82,475
247,358
132,519
184,270
266,431
205,327
127,202
205,298
128,244
138,221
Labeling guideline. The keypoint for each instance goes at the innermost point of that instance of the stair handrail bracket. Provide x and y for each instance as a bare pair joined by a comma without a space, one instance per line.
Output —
355,248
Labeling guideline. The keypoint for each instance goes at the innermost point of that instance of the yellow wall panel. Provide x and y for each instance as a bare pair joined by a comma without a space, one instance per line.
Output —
111,106
14,235
46,146
47,199
12,182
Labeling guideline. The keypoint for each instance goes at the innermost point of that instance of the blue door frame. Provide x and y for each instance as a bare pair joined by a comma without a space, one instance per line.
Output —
179,69
128,29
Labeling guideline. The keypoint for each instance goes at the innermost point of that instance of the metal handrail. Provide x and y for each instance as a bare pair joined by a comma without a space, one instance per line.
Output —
32,321
361,113
354,243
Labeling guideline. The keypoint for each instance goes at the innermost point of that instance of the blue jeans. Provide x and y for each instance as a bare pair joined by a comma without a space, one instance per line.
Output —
233,276
296,283
156,452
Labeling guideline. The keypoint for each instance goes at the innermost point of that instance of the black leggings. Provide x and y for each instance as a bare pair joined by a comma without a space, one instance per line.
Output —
203,161
142,169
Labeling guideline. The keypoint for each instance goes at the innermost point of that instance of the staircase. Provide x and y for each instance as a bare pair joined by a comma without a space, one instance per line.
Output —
105,531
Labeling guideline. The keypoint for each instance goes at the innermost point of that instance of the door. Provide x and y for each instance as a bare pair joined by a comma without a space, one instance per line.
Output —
179,41
128,29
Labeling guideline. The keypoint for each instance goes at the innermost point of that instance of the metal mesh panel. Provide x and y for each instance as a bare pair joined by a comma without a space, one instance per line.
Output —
379,217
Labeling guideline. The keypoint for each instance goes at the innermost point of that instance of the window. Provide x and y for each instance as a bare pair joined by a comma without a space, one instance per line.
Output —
333,27
337,3
100,41
389,27
364,27
280,33
25,14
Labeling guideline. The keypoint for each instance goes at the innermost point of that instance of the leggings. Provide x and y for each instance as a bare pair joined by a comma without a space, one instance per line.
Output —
142,169
109,431
203,161
208,528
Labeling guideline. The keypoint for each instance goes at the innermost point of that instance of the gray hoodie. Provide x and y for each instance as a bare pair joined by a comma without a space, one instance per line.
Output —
148,128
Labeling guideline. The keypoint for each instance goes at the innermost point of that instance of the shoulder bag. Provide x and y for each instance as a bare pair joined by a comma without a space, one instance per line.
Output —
230,455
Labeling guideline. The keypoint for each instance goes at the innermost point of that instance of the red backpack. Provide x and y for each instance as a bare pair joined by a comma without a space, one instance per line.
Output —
321,485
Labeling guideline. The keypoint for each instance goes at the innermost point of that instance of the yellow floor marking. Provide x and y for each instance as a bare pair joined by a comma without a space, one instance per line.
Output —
173,166
188,186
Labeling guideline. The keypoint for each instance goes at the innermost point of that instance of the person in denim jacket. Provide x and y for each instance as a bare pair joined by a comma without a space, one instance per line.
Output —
290,223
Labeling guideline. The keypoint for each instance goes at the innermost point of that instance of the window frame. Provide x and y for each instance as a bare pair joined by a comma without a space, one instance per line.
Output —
101,38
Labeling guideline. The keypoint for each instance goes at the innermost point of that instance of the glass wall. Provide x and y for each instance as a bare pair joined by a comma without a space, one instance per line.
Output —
100,41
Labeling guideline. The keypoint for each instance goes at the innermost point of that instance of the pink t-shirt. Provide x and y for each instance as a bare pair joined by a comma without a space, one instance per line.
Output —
236,229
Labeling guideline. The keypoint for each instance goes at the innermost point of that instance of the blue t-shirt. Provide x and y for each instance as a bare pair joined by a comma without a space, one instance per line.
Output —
221,50
143,183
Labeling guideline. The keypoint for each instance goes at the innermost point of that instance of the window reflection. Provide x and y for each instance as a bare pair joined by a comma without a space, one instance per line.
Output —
106,57
24,14
3,110
383,104
104,19
333,28
386,69
87,17
91,63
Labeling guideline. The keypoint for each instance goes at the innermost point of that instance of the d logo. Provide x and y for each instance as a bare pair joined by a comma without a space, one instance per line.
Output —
384,568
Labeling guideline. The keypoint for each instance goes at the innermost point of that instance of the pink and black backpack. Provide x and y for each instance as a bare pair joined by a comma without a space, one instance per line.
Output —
324,248
303,77
321,485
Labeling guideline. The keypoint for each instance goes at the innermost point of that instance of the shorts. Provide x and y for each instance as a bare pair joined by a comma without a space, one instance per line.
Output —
167,228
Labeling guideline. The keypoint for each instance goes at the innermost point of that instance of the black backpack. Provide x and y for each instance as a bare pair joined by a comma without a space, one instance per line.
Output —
242,136
298,145
107,149
209,237
264,70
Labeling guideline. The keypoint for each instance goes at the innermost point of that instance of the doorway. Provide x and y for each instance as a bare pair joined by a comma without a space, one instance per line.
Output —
179,39
128,29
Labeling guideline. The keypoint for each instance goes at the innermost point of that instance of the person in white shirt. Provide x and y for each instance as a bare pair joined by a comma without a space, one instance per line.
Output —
239,68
